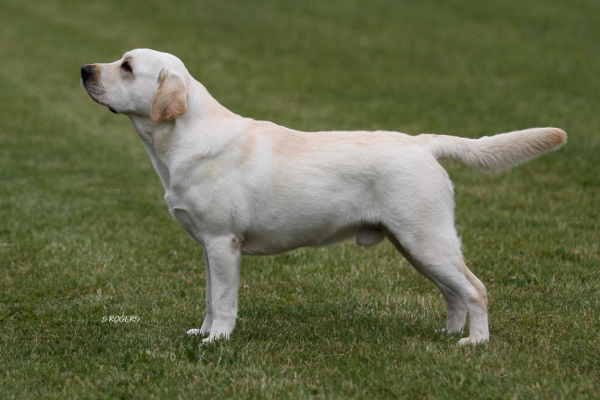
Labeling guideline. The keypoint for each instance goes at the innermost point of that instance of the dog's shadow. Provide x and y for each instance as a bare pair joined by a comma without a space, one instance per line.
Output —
339,321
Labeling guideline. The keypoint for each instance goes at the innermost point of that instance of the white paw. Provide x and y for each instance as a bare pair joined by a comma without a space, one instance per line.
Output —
194,332
206,326
471,341
448,331
218,336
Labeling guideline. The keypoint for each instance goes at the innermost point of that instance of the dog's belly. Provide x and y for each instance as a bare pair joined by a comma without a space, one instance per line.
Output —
280,242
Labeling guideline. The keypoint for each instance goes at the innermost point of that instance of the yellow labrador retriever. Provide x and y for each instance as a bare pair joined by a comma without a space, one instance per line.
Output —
240,186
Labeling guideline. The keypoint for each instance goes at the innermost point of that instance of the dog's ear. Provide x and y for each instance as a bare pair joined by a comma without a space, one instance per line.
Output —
170,100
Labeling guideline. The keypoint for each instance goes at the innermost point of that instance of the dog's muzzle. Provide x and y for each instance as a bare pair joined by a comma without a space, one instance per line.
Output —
88,77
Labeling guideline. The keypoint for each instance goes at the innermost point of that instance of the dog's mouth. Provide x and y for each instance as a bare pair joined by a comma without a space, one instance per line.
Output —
96,91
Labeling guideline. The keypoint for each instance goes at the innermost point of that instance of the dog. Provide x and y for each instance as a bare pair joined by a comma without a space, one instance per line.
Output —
240,186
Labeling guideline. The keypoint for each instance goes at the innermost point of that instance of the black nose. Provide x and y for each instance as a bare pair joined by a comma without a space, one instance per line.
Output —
87,71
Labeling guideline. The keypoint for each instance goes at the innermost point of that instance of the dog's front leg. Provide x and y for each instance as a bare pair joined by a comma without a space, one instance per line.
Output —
223,259
208,320
207,324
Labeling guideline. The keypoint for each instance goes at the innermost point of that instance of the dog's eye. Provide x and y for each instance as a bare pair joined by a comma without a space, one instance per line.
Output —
126,66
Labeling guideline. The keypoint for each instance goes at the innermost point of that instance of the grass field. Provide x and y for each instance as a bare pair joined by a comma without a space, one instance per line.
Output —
85,233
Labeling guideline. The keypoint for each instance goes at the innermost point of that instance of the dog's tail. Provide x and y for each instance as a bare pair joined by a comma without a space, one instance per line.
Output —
498,152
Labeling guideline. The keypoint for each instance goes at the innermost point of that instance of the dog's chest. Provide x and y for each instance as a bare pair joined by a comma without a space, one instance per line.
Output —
200,209
183,213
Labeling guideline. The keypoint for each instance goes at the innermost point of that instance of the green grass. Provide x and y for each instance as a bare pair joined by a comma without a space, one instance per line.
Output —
85,233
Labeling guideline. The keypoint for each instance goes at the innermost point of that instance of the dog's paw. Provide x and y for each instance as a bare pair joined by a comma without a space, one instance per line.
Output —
206,326
449,331
472,341
203,331
215,337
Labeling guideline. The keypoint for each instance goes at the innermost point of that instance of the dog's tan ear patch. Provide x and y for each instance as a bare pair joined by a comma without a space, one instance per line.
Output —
170,100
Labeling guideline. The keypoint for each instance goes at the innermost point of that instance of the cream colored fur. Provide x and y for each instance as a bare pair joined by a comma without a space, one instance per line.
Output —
240,186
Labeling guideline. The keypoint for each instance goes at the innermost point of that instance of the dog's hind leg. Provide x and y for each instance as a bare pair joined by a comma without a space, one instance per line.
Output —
457,311
439,259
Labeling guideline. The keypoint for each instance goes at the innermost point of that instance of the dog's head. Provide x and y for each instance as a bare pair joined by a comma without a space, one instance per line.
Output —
143,82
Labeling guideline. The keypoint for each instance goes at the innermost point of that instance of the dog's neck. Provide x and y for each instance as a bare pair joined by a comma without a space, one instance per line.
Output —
203,131
149,132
